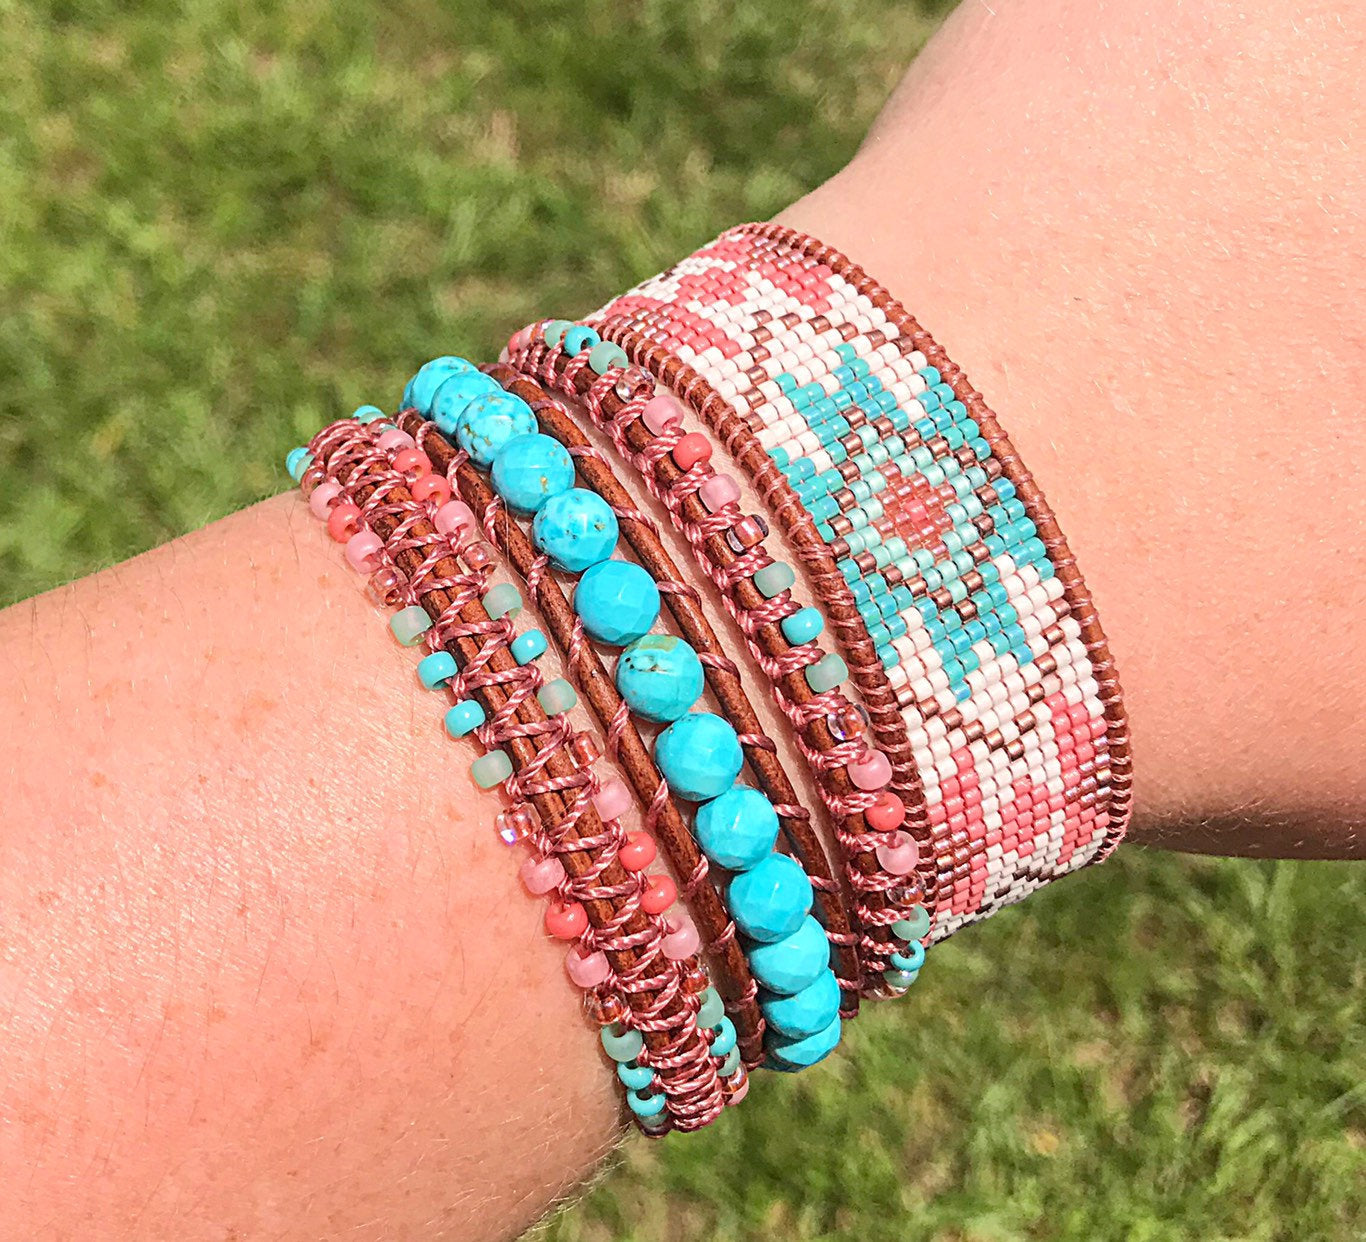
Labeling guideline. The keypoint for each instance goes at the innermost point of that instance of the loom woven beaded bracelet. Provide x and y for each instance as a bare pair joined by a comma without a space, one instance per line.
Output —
1015,742
698,753
756,591
637,1063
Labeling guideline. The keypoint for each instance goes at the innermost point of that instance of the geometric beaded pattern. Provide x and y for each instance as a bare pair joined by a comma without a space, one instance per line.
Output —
972,624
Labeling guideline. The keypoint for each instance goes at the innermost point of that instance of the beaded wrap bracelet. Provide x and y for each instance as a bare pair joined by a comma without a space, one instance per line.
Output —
662,1045
1010,745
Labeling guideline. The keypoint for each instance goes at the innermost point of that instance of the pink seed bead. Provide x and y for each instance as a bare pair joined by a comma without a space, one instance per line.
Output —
343,521
321,498
682,940
661,413
887,813
587,970
613,800
542,875
362,551
566,920
691,450
899,854
873,771
430,487
638,852
394,440
719,491
412,461
453,517
660,893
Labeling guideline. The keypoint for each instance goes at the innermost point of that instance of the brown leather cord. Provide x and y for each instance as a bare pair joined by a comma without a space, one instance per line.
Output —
722,675
1120,801
730,968
551,806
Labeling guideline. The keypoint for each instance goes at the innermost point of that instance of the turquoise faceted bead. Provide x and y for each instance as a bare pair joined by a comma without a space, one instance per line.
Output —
770,900
491,769
794,962
659,676
645,1105
633,1076
529,646
463,718
737,830
422,388
699,756
914,925
617,601
805,1012
454,396
803,626
297,461
531,469
799,1053
621,1045
487,423
579,338
436,669
575,529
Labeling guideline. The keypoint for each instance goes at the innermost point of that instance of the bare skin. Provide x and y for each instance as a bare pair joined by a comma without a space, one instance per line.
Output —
264,970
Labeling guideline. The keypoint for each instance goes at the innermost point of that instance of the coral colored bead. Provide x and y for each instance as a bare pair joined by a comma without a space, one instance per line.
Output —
638,852
587,970
887,813
321,498
691,450
395,441
682,941
566,920
430,487
873,771
453,517
362,551
412,462
613,800
660,893
542,875
718,491
343,521
661,413
899,854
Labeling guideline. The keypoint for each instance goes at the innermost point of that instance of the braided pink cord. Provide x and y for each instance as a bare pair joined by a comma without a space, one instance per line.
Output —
687,1072
633,388
687,1075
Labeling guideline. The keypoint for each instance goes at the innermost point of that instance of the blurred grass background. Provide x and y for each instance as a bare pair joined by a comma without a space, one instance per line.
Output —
223,223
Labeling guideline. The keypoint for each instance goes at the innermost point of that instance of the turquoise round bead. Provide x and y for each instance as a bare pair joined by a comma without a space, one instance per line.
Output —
617,601
633,1076
770,900
579,338
805,1012
914,925
911,960
645,1105
436,669
725,1038
621,1045
712,1008
297,462
794,962
737,830
454,395
699,756
659,676
803,626
531,469
486,425
799,1053
575,529
422,388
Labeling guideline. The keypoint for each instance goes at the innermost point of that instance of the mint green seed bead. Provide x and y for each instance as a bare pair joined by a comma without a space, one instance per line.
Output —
712,1009
730,1063
555,330
410,624
915,925
621,1045
503,600
774,579
900,979
491,769
367,414
556,697
436,669
605,355
633,1076
725,1038
645,1105
827,673
297,462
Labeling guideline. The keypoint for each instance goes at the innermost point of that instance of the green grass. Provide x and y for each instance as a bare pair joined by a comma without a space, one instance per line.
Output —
222,223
